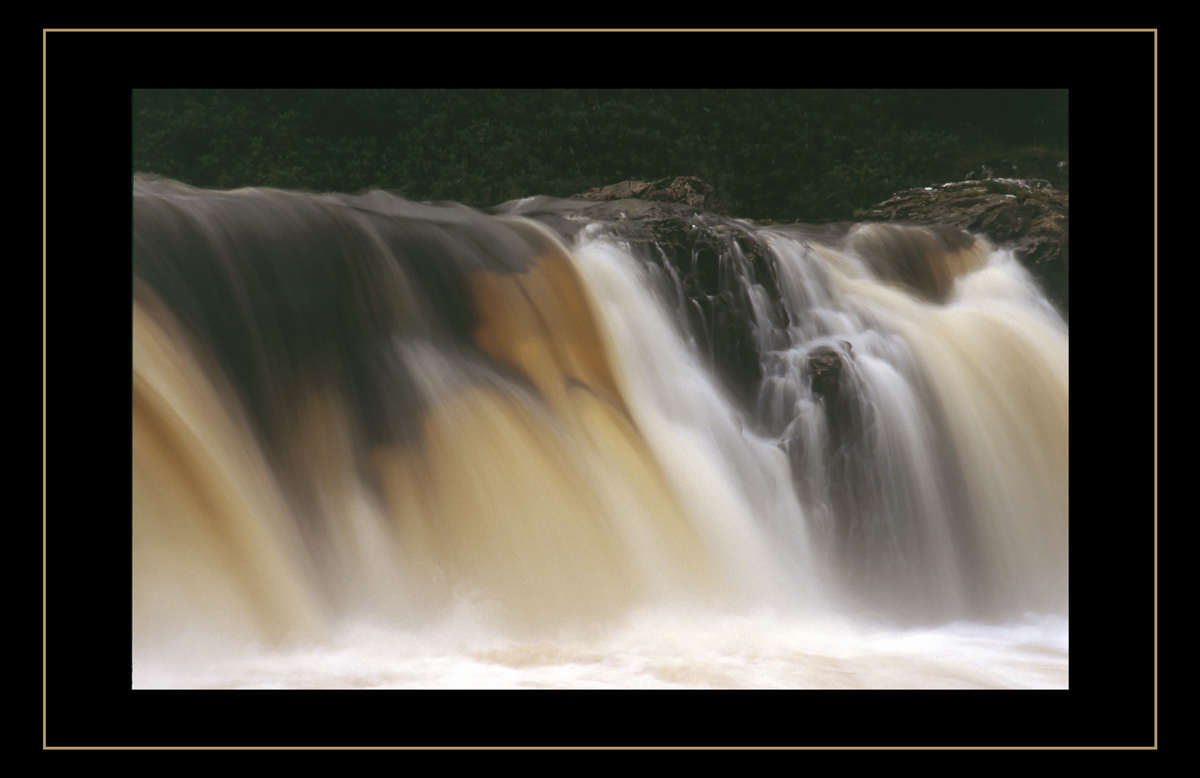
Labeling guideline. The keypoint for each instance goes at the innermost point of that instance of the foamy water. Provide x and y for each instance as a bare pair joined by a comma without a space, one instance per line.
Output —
653,650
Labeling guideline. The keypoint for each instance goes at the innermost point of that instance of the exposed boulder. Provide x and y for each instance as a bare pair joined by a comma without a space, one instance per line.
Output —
832,381
826,366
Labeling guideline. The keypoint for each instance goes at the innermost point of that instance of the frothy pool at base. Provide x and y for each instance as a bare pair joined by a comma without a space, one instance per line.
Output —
651,650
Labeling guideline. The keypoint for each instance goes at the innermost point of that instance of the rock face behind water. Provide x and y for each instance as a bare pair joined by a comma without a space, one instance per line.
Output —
700,260
1017,204
1026,215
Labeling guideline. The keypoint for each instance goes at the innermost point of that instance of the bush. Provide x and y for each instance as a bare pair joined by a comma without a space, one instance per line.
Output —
783,155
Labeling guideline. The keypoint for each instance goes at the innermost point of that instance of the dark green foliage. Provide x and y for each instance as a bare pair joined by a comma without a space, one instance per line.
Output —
784,155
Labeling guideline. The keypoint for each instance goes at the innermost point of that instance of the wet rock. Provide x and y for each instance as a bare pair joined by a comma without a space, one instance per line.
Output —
826,366
1028,216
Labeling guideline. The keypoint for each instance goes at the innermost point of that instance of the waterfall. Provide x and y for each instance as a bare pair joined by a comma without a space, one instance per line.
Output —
519,438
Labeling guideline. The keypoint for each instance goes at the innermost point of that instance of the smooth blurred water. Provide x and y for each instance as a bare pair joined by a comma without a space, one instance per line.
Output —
386,445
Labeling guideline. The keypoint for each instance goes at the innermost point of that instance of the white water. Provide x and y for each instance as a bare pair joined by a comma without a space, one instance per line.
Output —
654,649
625,526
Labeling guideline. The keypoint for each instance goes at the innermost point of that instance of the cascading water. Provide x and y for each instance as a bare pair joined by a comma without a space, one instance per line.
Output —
911,422
379,443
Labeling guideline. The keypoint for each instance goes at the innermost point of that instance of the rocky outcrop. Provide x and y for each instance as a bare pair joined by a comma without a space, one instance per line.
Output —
1029,216
1021,205
1056,174
685,190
